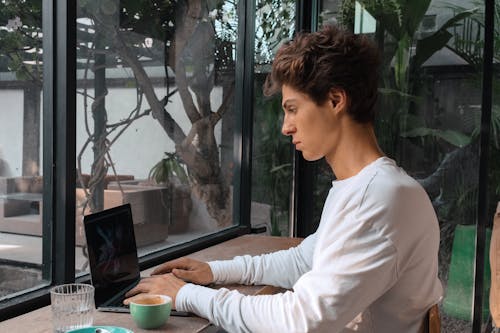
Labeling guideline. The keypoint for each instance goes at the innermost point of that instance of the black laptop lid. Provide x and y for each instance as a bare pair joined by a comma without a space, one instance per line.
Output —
112,251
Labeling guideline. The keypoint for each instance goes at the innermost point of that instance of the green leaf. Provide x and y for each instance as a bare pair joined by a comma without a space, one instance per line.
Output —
398,17
169,166
416,132
402,62
426,47
389,91
413,12
453,137
408,121
280,167
179,171
388,13
459,17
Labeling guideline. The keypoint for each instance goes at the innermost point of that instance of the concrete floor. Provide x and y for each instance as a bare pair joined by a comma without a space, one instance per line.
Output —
21,248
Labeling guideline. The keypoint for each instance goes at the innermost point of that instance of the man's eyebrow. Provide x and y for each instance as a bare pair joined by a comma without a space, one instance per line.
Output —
287,102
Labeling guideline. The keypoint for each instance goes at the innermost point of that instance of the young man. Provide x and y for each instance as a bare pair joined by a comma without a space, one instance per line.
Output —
372,264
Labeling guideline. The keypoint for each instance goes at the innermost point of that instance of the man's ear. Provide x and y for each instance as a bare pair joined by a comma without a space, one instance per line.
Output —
338,99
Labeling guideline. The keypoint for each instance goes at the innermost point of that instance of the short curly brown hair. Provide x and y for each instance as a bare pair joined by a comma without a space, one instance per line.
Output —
331,58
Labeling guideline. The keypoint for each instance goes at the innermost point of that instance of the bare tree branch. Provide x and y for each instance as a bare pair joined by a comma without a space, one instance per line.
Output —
188,22
228,99
170,126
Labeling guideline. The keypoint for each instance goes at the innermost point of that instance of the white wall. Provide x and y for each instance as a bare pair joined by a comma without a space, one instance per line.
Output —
144,142
11,132
136,150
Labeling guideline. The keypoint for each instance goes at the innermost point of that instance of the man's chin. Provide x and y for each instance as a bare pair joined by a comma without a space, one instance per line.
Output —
310,157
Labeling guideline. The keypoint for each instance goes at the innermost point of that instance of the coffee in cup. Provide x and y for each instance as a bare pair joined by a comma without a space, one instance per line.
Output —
150,311
149,300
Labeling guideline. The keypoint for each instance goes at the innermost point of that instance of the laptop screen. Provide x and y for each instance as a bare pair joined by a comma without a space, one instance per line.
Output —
112,251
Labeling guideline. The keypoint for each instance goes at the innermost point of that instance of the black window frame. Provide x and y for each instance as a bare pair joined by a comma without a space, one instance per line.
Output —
483,220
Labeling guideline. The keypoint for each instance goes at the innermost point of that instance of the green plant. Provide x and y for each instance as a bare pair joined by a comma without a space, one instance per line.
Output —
271,163
467,42
404,55
168,170
21,45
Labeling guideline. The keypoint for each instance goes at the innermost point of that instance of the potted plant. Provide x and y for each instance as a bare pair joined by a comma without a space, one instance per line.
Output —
170,172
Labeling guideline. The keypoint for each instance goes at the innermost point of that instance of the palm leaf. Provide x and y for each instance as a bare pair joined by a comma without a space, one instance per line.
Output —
426,47
453,137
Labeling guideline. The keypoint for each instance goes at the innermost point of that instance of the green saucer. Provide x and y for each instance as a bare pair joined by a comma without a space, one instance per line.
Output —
94,329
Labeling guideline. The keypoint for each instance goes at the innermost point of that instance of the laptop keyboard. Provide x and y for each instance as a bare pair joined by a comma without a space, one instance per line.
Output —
114,307
118,304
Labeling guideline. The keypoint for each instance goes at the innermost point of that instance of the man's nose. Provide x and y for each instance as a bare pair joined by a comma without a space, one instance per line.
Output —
287,128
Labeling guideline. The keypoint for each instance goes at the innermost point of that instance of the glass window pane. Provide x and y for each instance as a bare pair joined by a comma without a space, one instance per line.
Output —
155,116
429,118
272,153
21,185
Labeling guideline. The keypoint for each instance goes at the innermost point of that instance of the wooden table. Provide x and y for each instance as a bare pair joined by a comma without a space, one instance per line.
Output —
40,320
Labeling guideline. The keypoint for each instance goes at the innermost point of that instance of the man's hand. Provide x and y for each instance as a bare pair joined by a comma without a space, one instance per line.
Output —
189,270
165,284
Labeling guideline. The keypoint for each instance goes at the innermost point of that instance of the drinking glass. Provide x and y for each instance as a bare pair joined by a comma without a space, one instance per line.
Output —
72,306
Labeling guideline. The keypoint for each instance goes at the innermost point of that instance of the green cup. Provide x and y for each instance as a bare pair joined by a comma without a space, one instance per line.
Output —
150,311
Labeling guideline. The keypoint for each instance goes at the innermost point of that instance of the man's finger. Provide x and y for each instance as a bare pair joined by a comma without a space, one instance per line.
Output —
162,269
142,287
131,299
167,267
184,274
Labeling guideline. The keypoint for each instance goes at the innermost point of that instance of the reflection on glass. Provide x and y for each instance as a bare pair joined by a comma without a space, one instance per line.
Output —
21,189
155,117
272,154
429,119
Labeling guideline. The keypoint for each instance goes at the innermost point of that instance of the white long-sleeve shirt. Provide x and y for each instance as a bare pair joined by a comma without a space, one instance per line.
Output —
370,267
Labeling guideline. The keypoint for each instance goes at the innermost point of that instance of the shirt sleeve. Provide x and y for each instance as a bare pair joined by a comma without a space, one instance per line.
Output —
344,280
268,268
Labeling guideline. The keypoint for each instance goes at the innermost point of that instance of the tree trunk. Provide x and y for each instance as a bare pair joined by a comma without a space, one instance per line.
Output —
99,168
31,130
199,150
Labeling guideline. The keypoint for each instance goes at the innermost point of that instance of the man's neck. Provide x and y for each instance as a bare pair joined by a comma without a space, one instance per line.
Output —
357,148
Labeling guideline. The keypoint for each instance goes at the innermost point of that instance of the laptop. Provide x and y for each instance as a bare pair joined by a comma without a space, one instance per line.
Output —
112,251
113,261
